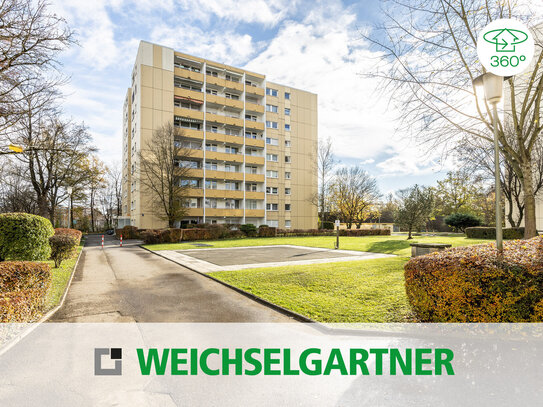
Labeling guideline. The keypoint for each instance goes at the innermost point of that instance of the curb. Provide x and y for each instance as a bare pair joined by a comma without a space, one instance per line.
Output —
44,318
294,315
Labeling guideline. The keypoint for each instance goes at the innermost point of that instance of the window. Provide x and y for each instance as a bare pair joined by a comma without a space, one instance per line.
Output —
249,134
271,125
287,175
191,203
251,151
271,92
271,108
193,145
213,129
191,183
287,95
250,117
271,157
212,73
231,186
287,158
287,207
187,164
231,150
272,141
273,223
287,191
287,127
211,203
211,91
211,184
250,187
250,170
250,204
272,174
287,224
231,96
287,143
271,190
211,147
231,168
231,204
210,165
272,207
287,112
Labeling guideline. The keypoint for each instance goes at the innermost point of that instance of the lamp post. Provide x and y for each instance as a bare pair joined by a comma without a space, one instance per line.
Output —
70,190
493,89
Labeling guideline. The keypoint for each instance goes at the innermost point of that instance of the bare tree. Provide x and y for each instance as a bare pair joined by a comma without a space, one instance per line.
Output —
326,164
428,66
354,193
30,39
161,169
16,193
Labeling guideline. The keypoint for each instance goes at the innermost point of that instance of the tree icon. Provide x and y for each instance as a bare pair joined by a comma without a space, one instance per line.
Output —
505,39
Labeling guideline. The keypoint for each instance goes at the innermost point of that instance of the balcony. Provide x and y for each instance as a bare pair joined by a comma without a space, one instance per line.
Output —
235,176
191,133
224,193
194,173
254,177
195,192
231,121
224,212
195,211
222,101
254,142
190,94
253,159
189,113
253,90
253,107
251,125
254,213
215,155
185,73
254,195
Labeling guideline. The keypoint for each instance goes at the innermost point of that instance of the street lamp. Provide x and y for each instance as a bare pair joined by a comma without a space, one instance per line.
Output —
70,190
493,89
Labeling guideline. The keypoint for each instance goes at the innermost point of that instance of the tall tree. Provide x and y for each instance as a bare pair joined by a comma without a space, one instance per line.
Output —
460,191
161,169
96,183
326,163
415,207
354,195
429,62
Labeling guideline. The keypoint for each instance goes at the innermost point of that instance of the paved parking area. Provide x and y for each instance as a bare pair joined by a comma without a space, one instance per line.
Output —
237,258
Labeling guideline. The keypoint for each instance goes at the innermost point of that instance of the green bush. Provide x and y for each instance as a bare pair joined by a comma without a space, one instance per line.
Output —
461,221
470,284
327,225
76,234
63,247
483,232
23,289
24,237
266,231
248,229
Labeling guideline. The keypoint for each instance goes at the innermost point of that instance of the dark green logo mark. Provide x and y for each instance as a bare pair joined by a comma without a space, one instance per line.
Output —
505,39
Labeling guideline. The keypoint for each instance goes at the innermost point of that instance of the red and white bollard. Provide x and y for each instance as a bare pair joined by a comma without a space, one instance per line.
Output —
121,240
102,241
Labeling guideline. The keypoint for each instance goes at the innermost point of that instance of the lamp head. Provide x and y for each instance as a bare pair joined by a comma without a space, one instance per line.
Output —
492,86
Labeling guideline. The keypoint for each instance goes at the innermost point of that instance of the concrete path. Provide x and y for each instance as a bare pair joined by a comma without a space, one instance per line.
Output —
124,284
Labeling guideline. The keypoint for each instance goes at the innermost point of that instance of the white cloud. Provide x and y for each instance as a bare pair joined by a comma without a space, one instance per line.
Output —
368,161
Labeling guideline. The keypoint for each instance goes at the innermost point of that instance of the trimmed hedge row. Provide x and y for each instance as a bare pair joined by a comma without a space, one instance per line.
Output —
470,284
324,232
23,289
483,232
24,237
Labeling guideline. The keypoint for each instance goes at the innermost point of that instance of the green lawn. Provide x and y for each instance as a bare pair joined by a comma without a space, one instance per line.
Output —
398,245
355,291
61,277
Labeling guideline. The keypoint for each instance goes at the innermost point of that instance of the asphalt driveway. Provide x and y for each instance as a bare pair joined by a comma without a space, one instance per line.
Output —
126,284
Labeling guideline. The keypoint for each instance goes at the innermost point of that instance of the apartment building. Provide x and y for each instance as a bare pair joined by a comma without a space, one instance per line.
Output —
253,143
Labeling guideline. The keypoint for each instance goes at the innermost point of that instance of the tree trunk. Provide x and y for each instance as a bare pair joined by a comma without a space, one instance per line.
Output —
43,207
530,229
409,235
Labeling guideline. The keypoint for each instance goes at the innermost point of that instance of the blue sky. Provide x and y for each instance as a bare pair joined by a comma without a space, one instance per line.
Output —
312,45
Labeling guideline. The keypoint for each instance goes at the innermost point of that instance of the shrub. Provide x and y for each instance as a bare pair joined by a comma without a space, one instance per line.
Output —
266,231
364,232
62,248
469,284
327,225
249,229
153,236
76,234
461,221
130,232
24,237
483,232
23,287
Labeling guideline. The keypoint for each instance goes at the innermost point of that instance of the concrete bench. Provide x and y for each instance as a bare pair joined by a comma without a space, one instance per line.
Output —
420,249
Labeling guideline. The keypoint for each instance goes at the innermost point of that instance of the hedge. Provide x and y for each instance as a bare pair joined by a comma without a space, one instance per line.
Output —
325,232
209,234
23,289
74,233
266,231
24,237
483,232
171,235
470,284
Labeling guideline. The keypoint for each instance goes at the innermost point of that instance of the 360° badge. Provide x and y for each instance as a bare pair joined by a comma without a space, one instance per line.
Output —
505,47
